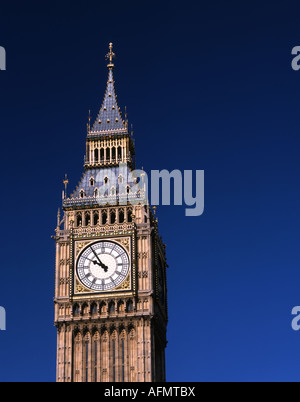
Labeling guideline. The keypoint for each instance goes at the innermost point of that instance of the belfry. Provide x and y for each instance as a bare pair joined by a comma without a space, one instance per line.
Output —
110,270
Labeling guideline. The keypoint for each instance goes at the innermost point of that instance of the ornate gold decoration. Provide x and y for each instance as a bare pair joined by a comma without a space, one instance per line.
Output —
124,285
80,289
80,246
110,55
124,242
66,182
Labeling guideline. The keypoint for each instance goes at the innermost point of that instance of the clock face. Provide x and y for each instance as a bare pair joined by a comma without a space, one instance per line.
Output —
102,266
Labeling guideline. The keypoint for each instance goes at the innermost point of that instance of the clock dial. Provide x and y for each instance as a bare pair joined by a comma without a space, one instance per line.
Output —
102,266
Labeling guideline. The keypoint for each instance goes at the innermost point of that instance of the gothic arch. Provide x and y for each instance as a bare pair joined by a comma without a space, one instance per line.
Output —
78,219
112,215
111,307
104,216
87,218
95,217
121,215
96,155
76,310
94,308
129,306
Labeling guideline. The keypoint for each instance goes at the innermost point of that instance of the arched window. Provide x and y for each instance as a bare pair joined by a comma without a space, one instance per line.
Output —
96,155
94,309
79,219
111,307
112,216
119,153
76,310
129,306
121,216
113,153
96,192
92,181
102,154
82,193
104,217
129,215
96,218
107,154
87,218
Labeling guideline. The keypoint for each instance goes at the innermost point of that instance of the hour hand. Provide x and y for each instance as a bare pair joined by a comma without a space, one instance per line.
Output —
101,265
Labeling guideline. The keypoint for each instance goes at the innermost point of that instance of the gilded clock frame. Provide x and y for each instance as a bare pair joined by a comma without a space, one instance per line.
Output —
126,240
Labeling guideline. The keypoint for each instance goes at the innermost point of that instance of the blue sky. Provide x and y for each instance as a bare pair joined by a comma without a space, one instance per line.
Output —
208,86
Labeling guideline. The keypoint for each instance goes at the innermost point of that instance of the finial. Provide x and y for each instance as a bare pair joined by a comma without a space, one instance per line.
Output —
66,182
154,209
110,55
89,123
58,218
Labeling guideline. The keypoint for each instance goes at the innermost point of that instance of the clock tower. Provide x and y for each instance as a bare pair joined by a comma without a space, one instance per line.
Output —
110,270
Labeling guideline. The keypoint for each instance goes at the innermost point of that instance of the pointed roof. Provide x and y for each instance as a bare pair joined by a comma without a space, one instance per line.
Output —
109,119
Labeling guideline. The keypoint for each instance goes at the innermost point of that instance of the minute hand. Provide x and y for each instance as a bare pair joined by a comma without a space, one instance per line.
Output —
100,262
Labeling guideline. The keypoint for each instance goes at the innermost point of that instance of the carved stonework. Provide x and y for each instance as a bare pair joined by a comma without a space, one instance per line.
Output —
80,246
125,242
111,324
80,288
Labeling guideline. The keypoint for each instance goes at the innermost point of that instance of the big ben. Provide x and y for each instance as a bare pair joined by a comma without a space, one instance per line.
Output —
110,270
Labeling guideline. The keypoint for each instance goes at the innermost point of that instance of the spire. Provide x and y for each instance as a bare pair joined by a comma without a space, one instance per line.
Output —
109,119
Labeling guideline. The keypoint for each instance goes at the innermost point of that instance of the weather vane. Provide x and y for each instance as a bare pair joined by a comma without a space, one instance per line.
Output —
110,55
